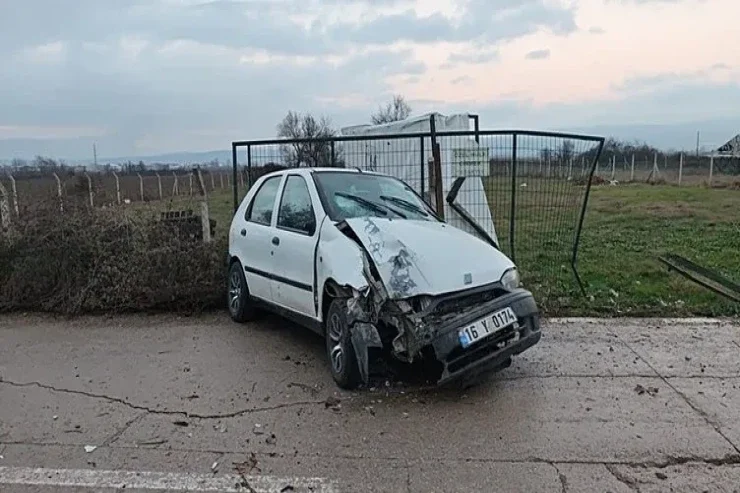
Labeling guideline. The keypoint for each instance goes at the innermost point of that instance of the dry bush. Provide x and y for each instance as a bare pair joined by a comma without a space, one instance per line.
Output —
95,260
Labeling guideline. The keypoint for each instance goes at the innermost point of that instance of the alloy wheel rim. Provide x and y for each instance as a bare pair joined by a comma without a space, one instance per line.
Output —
336,330
235,292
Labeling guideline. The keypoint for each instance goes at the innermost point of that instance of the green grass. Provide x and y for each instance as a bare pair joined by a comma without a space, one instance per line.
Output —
627,227
625,230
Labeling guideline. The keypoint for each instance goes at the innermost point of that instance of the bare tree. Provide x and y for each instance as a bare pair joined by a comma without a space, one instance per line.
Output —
312,153
394,111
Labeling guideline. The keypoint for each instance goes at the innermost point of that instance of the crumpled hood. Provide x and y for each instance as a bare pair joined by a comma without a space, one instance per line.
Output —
427,257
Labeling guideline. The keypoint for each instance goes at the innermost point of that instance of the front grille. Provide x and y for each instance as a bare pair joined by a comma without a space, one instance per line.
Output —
464,301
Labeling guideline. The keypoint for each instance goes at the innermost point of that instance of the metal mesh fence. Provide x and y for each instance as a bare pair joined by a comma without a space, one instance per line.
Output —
522,190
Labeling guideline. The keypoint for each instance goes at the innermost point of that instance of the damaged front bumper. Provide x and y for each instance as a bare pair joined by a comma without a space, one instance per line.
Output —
495,350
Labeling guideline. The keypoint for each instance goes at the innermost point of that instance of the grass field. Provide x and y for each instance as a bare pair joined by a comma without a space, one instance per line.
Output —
625,230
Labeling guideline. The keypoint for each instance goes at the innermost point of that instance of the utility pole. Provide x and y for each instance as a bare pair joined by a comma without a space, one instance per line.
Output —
697,143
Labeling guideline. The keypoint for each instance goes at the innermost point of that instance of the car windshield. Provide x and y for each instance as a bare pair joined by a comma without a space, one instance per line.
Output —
360,194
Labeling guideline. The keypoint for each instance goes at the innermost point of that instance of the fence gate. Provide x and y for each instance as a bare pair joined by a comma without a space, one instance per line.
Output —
523,191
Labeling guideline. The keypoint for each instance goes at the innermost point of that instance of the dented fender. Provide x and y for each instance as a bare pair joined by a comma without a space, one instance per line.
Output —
339,260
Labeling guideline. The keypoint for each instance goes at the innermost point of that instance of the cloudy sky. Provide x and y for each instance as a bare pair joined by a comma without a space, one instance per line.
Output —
150,76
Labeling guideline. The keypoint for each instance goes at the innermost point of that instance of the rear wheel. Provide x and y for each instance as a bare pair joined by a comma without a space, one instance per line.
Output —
339,349
241,307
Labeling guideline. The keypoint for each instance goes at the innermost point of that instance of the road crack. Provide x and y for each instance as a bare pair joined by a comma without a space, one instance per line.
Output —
685,398
563,479
621,477
149,410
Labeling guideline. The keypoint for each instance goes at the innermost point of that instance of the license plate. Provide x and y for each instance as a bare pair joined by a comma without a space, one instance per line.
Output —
486,326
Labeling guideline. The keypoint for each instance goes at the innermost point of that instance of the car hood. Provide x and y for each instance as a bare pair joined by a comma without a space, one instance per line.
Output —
427,257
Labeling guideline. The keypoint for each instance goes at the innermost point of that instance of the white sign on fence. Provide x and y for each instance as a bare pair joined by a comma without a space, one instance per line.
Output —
470,161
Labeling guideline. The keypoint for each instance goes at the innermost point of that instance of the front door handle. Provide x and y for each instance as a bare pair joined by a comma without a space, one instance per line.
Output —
244,232
275,240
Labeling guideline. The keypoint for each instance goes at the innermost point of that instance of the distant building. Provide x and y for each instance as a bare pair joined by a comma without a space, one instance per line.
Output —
730,149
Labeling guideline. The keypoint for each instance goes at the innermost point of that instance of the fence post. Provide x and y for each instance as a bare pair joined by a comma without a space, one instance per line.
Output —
5,218
159,185
632,172
549,165
221,179
570,168
213,185
190,180
59,192
175,187
205,216
614,166
141,186
14,191
118,188
680,169
711,169
90,189
583,165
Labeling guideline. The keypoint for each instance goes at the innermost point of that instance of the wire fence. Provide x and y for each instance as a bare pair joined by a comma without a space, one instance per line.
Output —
671,169
519,190
22,190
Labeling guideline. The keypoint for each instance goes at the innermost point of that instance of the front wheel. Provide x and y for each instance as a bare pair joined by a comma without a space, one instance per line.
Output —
339,349
241,307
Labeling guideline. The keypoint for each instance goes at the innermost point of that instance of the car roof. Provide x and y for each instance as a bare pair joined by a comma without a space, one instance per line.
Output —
309,171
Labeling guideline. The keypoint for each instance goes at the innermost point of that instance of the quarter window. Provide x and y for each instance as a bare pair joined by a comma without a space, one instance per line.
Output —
264,200
296,211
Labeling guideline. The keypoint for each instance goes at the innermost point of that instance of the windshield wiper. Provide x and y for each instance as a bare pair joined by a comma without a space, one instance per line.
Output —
405,203
367,203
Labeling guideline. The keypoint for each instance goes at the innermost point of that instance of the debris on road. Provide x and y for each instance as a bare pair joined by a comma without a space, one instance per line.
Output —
333,402
90,448
661,475
646,390
245,468
271,440
181,423
220,428
287,488
214,467
258,429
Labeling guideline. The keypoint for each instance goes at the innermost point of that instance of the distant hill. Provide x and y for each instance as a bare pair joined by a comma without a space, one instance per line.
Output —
674,136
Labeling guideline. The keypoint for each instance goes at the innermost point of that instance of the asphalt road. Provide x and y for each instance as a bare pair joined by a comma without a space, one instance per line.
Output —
203,404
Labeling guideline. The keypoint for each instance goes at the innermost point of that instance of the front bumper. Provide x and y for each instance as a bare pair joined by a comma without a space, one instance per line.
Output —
495,350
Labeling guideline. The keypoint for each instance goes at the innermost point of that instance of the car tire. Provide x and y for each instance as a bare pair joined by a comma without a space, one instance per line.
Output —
241,306
339,349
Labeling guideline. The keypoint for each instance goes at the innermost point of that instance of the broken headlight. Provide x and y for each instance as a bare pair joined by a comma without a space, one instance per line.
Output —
510,280
421,303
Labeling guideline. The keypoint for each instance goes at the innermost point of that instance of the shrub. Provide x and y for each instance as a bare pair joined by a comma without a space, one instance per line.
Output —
106,260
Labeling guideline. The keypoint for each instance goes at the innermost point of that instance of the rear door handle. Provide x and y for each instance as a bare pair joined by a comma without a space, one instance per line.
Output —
244,232
275,240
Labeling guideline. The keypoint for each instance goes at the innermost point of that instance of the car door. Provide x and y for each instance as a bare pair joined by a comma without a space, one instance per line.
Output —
296,236
257,250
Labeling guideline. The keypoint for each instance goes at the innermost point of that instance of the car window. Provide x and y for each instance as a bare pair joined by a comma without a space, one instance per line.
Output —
350,195
296,211
264,200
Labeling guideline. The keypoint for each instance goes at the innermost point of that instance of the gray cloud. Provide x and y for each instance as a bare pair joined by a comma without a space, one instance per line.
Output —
188,87
538,55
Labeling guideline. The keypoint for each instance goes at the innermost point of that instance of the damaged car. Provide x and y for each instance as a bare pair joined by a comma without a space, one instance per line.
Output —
360,258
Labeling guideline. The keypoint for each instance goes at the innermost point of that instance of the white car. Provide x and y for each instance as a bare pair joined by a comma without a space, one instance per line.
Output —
361,259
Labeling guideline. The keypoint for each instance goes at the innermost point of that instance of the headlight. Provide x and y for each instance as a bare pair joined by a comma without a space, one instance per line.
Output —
510,279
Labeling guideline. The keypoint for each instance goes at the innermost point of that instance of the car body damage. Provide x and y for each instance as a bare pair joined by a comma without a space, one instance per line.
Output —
414,301
361,259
